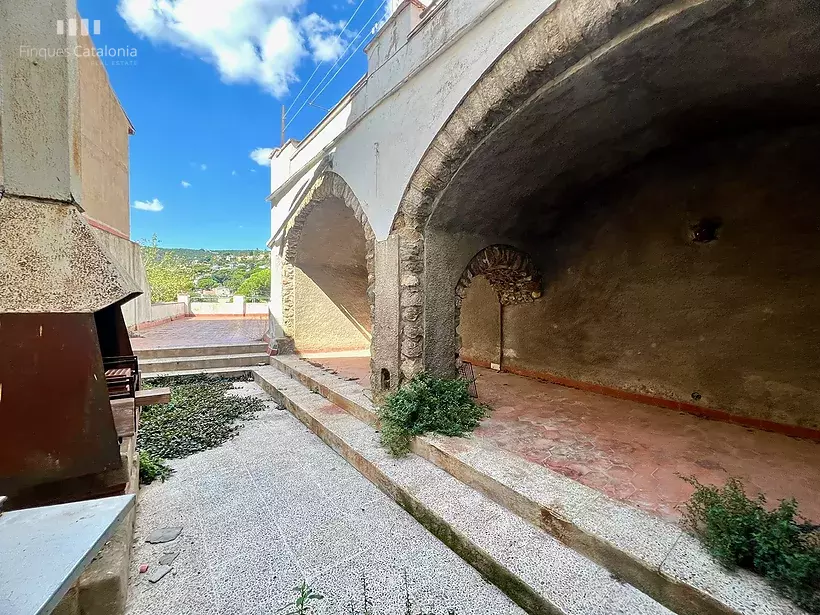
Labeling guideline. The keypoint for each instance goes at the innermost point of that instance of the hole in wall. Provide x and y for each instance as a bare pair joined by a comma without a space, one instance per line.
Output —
706,230
384,379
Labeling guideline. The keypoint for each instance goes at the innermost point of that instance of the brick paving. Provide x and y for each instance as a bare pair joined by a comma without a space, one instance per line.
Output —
631,451
201,331
275,506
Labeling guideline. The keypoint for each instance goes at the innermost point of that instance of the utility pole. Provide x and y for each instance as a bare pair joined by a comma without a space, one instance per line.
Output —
283,126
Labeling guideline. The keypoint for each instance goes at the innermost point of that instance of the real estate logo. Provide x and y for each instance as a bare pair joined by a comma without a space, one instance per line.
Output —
70,26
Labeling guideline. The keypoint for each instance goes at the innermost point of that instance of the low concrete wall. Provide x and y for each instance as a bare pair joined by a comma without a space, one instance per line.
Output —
237,307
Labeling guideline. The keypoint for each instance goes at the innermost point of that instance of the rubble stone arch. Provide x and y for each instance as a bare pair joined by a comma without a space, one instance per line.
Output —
327,186
572,40
511,273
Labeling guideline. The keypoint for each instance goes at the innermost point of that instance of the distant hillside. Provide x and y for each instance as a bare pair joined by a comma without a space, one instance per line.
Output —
208,256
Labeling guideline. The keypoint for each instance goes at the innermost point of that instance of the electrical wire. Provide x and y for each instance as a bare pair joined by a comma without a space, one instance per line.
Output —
319,85
319,65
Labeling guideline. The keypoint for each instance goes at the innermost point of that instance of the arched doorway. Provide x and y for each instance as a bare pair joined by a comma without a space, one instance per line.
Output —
497,277
586,145
328,276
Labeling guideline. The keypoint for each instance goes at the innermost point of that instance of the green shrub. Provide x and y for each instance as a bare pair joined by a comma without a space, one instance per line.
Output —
428,405
740,532
153,468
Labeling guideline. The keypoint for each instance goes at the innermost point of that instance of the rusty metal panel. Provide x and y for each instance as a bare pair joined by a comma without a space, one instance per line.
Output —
55,415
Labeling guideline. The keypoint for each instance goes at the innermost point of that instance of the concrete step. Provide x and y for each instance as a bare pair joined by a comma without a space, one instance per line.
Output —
534,569
201,351
653,555
216,372
174,364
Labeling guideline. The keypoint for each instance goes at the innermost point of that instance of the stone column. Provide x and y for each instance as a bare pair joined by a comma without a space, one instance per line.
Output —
386,374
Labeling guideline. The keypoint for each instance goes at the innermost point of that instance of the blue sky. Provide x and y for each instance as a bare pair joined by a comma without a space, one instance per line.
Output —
206,90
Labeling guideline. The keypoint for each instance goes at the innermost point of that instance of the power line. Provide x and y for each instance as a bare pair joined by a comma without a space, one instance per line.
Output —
318,66
311,97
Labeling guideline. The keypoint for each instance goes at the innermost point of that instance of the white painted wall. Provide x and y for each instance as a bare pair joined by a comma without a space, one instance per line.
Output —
394,116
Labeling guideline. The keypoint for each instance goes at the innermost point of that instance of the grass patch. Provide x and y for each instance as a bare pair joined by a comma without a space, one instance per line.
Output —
201,415
428,405
740,532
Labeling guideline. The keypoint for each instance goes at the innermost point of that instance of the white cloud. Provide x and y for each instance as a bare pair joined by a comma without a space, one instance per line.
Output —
154,205
325,44
249,41
185,184
389,8
204,167
261,156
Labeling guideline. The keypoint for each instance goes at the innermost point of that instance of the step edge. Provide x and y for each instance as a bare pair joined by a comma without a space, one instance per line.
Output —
516,588
659,582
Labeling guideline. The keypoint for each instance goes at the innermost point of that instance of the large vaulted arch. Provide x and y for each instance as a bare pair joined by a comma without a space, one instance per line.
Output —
328,270
626,141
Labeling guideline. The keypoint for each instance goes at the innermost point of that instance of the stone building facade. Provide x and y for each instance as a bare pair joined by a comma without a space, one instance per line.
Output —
616,194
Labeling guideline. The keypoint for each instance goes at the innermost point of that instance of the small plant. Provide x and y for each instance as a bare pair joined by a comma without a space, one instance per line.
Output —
304,603
428,405
153,468
740,532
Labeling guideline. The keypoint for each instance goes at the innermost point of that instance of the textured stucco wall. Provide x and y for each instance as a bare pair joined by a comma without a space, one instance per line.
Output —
319,324
480,325
104,146
632,303
129,258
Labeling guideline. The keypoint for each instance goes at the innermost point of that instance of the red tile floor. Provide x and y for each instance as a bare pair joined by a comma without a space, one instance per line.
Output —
352,368
201,331
630,451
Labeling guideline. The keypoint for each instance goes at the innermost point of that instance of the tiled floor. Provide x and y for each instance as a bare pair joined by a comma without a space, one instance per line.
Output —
354,368
634,452
631,451
201,331
276,506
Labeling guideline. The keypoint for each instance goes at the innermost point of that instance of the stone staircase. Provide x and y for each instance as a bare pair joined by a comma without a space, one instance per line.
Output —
197,359
553,545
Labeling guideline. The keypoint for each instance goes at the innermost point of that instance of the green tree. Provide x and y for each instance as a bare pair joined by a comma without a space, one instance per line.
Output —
206,283
168,276
256,285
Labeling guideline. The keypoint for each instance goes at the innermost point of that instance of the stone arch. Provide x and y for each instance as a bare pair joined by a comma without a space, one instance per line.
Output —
568,39
511,273
328,185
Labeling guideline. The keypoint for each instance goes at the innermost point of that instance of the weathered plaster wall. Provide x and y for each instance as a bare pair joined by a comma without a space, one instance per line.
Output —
319,324
432,70
128,256
631,302
104,146
480,324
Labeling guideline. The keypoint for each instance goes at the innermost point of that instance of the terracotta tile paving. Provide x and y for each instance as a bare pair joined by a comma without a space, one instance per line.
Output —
633,452
201,331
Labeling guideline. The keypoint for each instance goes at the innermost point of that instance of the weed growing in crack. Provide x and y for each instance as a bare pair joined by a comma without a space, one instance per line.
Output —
153,468
740,532
428,405
306,601
200,415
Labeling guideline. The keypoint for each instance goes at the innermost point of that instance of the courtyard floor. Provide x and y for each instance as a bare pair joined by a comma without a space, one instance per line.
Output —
276,506
631,451
200,331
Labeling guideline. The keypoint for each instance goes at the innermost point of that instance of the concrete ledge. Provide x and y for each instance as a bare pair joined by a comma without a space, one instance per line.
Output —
536,571
655,556
173,364
200,351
